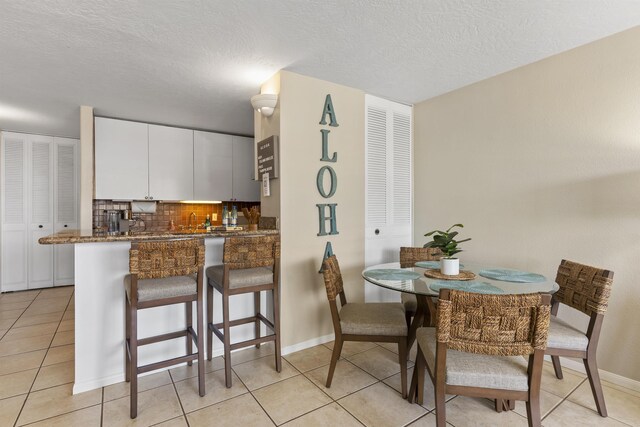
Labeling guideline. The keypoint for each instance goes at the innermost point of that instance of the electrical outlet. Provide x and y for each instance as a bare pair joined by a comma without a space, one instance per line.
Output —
214,217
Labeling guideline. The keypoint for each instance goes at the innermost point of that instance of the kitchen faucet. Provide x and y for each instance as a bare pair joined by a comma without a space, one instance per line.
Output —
195,217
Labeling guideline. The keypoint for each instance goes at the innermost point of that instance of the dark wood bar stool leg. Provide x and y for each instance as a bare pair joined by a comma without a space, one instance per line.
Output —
189,312
133,347
200,308
127,327
209,322
227,339
256,310
276,324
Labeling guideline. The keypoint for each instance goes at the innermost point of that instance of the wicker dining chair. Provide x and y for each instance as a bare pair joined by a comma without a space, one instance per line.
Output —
251,264
164,273
372,322
408,257
476,347
586,289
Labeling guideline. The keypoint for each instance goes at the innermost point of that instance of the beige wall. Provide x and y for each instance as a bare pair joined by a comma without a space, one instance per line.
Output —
305,310
540,164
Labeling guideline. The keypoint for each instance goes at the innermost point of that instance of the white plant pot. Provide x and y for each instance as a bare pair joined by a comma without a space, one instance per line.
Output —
450,266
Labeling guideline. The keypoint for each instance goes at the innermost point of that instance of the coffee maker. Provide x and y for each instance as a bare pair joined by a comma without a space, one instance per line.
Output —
118,220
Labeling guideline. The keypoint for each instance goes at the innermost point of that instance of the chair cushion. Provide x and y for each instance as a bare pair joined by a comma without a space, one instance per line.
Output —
241,278
385,319
476,370
562,335
410,302
167,287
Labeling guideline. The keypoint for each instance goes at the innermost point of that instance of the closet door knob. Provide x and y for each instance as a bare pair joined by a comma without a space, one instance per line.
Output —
40,226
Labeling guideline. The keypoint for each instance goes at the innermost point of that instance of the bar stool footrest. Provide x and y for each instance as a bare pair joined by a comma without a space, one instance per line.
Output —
167,363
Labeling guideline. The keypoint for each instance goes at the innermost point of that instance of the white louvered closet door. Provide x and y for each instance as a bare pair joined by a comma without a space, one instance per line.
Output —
65,210
388,220
40,198
14,212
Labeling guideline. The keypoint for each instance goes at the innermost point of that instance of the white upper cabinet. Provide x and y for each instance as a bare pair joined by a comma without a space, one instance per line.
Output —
245,188
212,166
121,159
170,163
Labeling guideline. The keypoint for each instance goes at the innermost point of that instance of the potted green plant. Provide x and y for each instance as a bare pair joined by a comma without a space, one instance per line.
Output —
448,245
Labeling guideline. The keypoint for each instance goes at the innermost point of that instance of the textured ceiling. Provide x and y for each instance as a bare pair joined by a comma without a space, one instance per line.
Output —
197,63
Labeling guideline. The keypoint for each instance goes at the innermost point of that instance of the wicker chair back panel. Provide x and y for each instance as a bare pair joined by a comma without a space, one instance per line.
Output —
409,256
332,277
159,259
583,287
502,325
251,252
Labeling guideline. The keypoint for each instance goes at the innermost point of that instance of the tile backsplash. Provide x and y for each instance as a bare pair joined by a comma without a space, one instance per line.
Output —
165,212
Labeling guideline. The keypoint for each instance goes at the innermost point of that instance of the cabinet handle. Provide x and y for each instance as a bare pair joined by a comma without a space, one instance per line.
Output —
146,197
65,226
150,197
40,226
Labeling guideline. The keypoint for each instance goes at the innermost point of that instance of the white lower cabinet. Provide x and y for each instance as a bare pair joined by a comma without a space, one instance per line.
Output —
39,189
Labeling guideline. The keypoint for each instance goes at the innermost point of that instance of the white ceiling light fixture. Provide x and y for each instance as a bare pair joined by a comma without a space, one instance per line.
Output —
264,103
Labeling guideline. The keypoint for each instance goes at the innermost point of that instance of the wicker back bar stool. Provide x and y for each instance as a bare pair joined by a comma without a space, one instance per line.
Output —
250,265
476,347
586,289
164,273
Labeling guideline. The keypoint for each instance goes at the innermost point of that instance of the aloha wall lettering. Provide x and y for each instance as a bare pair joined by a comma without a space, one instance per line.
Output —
327,211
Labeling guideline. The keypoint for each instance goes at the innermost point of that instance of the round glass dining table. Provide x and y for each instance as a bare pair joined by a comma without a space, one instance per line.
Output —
412,280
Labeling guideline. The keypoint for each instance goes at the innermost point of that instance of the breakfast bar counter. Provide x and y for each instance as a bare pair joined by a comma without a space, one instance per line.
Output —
101,264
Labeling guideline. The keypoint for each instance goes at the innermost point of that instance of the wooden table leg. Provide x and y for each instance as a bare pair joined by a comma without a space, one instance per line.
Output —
425,316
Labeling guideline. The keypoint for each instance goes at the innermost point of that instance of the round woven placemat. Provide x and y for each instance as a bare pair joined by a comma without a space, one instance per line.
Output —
436,274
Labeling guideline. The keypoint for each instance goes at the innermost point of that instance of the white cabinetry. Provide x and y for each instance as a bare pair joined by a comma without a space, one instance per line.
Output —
39,190
245,188
212,166
121,159
170,163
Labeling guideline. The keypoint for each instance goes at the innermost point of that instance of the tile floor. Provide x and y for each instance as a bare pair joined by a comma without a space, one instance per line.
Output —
36,376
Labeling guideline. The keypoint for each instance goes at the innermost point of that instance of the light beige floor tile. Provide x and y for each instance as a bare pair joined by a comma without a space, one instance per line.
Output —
19,296
64,353
175,422
69,315
623,406
328,416
21,362
394,348
570,414
239,411
16,383
429,401
14,305
2,332
10,409
6,324
428,420
310,358
65,291
350,348
347,379
67,325
261,372
54,375
56,401
53,301
154,406
288,399
10,314
183,372
24,345
548,401
147,382
466,411
379,362
88,417
380,405
39,319
31,331
215,388
64,338
561,387
251,353
42,309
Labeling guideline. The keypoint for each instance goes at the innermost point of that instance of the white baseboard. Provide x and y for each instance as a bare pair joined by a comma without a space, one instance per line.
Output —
307,344
100,382
616,379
